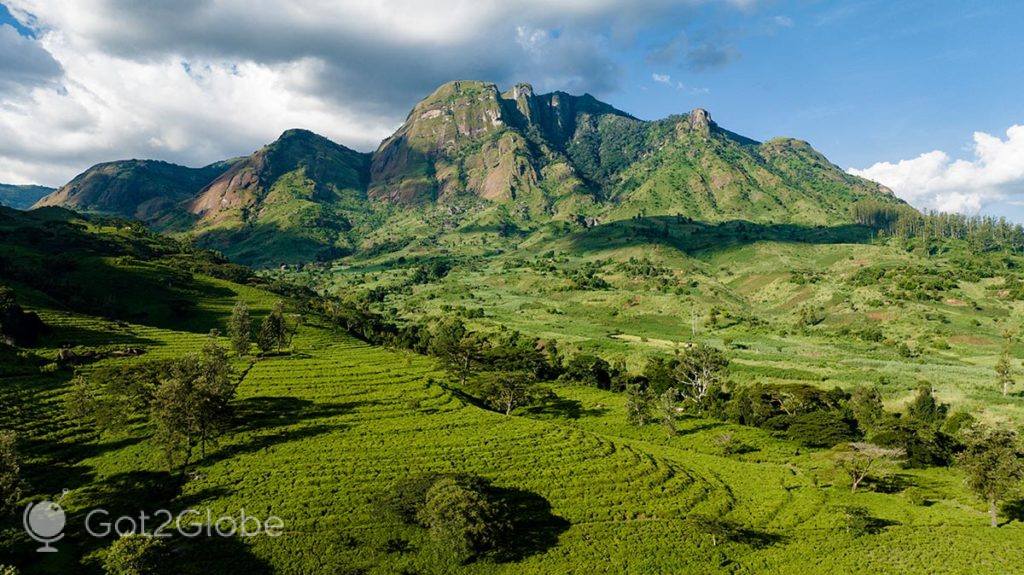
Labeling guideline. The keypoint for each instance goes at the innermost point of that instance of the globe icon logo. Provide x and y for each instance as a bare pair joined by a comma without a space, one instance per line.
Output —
44,521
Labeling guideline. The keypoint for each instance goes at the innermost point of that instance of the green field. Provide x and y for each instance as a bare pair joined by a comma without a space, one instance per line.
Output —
327,430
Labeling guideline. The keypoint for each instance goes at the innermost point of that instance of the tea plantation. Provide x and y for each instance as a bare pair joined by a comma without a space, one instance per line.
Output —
327,430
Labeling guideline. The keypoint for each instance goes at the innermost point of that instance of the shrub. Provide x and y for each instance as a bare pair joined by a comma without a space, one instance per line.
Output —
461,518
916,496
134,555
821,429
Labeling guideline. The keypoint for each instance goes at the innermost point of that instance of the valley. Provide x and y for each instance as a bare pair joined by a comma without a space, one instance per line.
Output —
530,333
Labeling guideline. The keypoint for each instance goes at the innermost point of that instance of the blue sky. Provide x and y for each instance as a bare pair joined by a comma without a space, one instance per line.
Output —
869,83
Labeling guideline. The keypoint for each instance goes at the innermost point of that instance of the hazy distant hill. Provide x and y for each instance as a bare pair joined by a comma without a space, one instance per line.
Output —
21,197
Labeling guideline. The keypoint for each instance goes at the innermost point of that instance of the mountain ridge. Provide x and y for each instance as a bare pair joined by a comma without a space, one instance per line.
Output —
510,156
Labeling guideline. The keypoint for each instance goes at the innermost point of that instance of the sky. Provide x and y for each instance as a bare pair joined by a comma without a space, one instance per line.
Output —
924,97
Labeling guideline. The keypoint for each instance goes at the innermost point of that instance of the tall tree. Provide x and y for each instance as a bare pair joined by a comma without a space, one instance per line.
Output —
994,464
925,409
867,408
191,407
240,328
457,348
701,368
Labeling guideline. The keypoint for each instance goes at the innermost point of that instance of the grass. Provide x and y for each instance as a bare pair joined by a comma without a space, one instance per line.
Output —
325,431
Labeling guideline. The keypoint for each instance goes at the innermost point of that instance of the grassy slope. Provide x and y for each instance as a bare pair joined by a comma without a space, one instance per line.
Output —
322,434
325,431
752,274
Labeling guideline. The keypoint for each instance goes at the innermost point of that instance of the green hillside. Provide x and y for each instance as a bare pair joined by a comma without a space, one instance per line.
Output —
292,201
146,190
471,157
326,431
21,197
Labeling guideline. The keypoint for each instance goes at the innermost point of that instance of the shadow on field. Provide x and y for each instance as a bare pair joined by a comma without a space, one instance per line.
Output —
534,528
565,408
134,493
691,236
1014,510
259,413
74,335
262,417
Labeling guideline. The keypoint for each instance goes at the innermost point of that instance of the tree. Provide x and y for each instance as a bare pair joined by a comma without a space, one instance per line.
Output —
281,331
10,472
1004,367
867,408
192,406
925,409
462,518
700,369
273,332
639,400
214,391
456,347
507,390
135,554
994,464
240,328
668,402
858,460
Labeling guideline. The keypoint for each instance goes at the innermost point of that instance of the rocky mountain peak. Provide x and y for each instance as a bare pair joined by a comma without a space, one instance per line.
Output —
700,121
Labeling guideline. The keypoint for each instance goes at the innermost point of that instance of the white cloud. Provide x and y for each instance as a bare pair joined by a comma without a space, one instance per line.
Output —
783,21
936,181
662,78
194,81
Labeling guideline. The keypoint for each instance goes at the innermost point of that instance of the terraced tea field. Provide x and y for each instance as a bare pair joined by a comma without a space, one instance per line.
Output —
324,433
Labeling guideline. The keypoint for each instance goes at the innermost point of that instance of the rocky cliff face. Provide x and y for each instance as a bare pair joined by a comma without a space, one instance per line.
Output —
469,138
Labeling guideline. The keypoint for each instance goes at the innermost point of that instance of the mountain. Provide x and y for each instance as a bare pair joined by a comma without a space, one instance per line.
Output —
470,157
540,150
150,191
292,200
21,197
467,137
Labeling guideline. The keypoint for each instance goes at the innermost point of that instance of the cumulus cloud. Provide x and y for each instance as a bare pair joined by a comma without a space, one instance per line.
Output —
24,63
662,78
193,81
934,180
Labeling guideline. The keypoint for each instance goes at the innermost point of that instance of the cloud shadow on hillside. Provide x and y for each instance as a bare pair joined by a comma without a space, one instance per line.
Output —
693,237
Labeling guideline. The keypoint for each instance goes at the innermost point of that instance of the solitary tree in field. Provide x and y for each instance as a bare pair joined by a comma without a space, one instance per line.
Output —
1004,369
10,469
240,328
505,391
859,460
994,464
